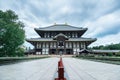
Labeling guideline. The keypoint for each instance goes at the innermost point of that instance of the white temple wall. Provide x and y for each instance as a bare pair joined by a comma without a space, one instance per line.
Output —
74,50
66,45
45,51
45,46
54,44
38,53
70,44
51,44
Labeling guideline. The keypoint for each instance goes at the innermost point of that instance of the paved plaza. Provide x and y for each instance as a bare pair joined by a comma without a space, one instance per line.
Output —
88,70
45,69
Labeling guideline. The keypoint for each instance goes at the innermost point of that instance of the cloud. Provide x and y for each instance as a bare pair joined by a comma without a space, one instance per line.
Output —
101,17
105,25
106,40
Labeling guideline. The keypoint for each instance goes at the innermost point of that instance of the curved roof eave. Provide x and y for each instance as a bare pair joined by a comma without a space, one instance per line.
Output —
70,39
83,29
60,27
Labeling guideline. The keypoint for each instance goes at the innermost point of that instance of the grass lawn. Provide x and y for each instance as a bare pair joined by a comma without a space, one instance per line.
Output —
12,60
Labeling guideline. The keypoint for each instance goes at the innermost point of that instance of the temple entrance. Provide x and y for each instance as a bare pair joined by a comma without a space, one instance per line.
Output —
60,51
69,51
61,38
52,51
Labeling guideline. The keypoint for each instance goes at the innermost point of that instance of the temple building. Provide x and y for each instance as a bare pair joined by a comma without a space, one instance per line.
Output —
60,39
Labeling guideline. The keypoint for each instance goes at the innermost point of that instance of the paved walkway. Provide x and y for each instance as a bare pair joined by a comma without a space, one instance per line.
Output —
45,69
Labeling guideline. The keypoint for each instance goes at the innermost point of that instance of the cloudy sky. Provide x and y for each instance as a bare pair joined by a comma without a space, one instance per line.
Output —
101,17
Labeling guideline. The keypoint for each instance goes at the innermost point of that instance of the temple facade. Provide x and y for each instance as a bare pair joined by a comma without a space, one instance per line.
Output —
60,39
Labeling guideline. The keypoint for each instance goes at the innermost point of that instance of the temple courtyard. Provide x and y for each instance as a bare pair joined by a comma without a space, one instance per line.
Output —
46,69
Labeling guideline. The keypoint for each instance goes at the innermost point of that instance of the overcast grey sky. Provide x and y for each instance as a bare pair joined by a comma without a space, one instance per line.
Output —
101,17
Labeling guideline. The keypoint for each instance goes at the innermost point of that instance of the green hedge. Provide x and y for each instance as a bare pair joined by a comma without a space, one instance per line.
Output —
101,58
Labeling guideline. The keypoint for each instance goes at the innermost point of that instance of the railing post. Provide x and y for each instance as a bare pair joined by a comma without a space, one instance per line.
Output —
60,71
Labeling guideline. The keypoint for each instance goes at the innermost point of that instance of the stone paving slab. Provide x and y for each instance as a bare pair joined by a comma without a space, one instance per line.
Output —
77,69
45,69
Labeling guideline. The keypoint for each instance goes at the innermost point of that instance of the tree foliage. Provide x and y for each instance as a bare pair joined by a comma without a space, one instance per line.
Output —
11,33
108,47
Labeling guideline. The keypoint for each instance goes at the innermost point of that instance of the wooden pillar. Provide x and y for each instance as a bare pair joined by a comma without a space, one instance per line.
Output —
35,47
86,45
64,47
50,34
56,47
72,48
41,47
49,47
79,45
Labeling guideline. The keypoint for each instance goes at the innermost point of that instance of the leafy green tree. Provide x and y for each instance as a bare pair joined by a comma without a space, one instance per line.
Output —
11,33
108,47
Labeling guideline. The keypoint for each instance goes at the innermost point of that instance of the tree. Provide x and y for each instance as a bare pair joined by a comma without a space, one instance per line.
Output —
11,33
108,47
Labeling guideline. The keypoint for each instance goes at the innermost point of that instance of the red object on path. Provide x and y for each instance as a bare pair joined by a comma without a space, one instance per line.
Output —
60,71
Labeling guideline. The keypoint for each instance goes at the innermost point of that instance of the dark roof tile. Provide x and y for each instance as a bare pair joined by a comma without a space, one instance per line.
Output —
61,27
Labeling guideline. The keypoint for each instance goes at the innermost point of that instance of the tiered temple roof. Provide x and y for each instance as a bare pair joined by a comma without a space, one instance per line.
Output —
61,28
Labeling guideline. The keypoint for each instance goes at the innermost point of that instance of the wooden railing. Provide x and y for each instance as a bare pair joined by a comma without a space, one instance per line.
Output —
60,70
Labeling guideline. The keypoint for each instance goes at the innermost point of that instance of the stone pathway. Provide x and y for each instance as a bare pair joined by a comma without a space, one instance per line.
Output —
45,69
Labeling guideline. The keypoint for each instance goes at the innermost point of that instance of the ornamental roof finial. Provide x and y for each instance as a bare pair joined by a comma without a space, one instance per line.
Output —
66,23
54,23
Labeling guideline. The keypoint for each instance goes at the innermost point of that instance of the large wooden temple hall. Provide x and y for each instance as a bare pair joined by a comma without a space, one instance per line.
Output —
60,39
